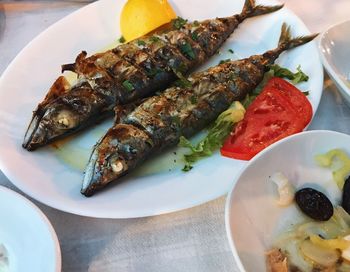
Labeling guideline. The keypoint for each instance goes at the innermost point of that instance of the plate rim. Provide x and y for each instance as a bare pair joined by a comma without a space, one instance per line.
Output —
43,219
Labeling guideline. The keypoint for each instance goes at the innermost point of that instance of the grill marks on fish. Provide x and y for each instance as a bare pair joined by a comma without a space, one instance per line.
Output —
160,120
134,70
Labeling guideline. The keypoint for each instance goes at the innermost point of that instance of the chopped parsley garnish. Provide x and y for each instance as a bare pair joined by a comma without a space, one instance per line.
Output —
193,99
194,36
183,83
187,167
122,39
176,119
128,85
224,61
187,50
297,77
231,51
306,93
154,39
179,22
141,43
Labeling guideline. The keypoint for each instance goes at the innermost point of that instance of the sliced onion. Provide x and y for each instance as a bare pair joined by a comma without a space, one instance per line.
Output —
319,255
328,230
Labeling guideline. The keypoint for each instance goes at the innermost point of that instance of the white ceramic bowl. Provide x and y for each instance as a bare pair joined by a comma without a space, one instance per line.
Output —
27,235
252,216
334,46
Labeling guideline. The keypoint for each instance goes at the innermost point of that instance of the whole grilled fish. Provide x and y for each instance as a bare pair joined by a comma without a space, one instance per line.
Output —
129,72
159,121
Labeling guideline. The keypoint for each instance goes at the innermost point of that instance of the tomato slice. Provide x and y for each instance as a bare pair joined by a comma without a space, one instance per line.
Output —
295,97
279,111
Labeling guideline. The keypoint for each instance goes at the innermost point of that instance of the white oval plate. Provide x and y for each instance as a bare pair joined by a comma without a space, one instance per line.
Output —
45,177
27,235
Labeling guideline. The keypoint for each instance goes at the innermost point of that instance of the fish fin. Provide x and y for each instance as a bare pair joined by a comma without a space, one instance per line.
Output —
58,88
251,10
287,42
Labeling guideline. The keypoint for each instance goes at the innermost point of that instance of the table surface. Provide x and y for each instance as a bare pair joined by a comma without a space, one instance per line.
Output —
189,240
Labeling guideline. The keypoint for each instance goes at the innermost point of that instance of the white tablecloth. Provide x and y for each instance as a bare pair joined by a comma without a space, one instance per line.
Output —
190,240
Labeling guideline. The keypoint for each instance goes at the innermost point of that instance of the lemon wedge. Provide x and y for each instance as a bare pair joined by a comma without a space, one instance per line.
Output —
140,17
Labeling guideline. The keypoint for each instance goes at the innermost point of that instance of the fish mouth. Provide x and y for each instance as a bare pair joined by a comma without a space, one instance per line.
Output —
48,125
101,171
35,134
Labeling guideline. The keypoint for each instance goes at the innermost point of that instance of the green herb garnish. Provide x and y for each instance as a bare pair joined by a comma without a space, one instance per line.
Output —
275,71
215,137
187,50
176,120
231,51
306,93
193,99
295,78
128,85
194,36
122,39
179,22
187,167
141,43
183,83
154,39
224,61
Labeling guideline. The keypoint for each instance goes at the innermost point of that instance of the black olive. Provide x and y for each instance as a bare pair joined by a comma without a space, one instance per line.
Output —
346,196
314,204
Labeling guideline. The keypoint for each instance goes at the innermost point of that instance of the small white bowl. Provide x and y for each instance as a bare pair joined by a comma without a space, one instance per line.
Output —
28,236
252,215
334,46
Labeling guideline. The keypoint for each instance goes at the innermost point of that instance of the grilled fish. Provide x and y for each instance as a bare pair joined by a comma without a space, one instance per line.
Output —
129,72
158,122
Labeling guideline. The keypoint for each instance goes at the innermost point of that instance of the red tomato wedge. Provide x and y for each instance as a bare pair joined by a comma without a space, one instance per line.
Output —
279,111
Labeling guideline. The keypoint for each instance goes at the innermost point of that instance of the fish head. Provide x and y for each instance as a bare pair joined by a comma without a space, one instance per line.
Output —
49,124
118,152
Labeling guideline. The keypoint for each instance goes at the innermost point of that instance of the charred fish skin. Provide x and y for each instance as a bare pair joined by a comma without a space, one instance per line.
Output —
134,70
161,120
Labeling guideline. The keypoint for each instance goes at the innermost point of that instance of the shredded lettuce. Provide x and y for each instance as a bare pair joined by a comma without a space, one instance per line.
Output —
339,162
215,137
297,77
276,71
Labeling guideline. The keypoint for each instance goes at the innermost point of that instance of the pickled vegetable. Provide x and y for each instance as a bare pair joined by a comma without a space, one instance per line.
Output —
338,243
314,204
339,161
319,255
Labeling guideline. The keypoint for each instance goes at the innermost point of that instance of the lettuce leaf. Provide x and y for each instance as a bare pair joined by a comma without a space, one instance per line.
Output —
216,135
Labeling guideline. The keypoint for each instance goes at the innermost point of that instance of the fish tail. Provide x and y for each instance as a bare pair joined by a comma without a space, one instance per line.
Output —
287,42
251,10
